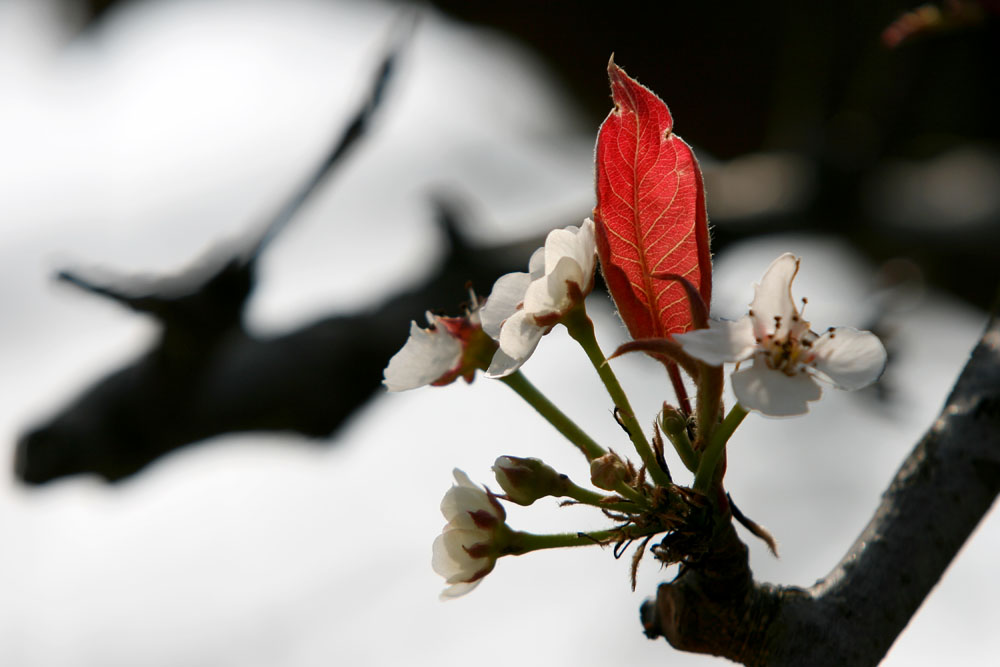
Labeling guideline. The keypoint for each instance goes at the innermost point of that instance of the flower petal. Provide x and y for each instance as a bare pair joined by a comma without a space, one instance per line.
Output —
427,355
463,479
852,359
451,561
562,243
465,497
459,589
589,245
773,296
503,365
773,393
722,341
519,337
536,264
507,295
550,295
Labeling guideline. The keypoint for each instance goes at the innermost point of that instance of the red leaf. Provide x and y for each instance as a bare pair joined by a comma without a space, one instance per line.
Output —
650,213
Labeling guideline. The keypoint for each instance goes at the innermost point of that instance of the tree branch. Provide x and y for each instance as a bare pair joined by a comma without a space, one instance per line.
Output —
206,375
853,615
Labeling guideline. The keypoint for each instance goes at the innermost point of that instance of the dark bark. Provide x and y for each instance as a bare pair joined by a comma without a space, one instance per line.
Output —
854,614
206,375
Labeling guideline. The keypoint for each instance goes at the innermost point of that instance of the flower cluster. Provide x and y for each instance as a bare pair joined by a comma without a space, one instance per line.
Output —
651,237
778,358
501,334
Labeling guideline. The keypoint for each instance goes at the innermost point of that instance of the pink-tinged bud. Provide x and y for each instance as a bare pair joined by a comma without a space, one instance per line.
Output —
526,480
608,471
475,536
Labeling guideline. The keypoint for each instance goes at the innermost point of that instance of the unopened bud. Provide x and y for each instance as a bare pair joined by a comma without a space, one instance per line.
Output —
673,421
608,471
526,480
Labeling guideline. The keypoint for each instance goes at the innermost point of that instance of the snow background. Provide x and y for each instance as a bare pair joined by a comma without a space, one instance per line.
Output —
180,124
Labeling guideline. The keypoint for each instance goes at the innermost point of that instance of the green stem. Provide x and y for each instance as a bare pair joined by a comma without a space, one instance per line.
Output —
716,445
675,427
682,445
627,491
553,415
581,329
710,383
595,499
522,543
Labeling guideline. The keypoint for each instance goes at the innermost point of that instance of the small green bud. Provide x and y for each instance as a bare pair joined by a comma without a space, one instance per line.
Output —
673,422
608,471
526,480
675,425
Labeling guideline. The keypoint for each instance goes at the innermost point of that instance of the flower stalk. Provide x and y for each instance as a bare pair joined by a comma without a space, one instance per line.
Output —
675,425
566,426
716,445
522,543
581,329
595,499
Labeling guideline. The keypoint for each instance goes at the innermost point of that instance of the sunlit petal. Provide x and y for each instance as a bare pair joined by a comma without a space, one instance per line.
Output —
427,355
773,296
520,301
722,341
772,392
536,264
502,365
520,335
550,294
507,295
852,359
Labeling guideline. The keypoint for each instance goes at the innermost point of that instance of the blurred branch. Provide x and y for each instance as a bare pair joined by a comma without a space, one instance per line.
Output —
358,126
206,375
853,615
191,386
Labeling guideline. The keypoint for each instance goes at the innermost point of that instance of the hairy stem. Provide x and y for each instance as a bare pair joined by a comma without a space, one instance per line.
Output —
581,328
716,445
519,383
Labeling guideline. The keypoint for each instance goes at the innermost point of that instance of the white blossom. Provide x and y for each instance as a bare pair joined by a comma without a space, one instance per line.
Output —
468,547
524,306
451,347
787,357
